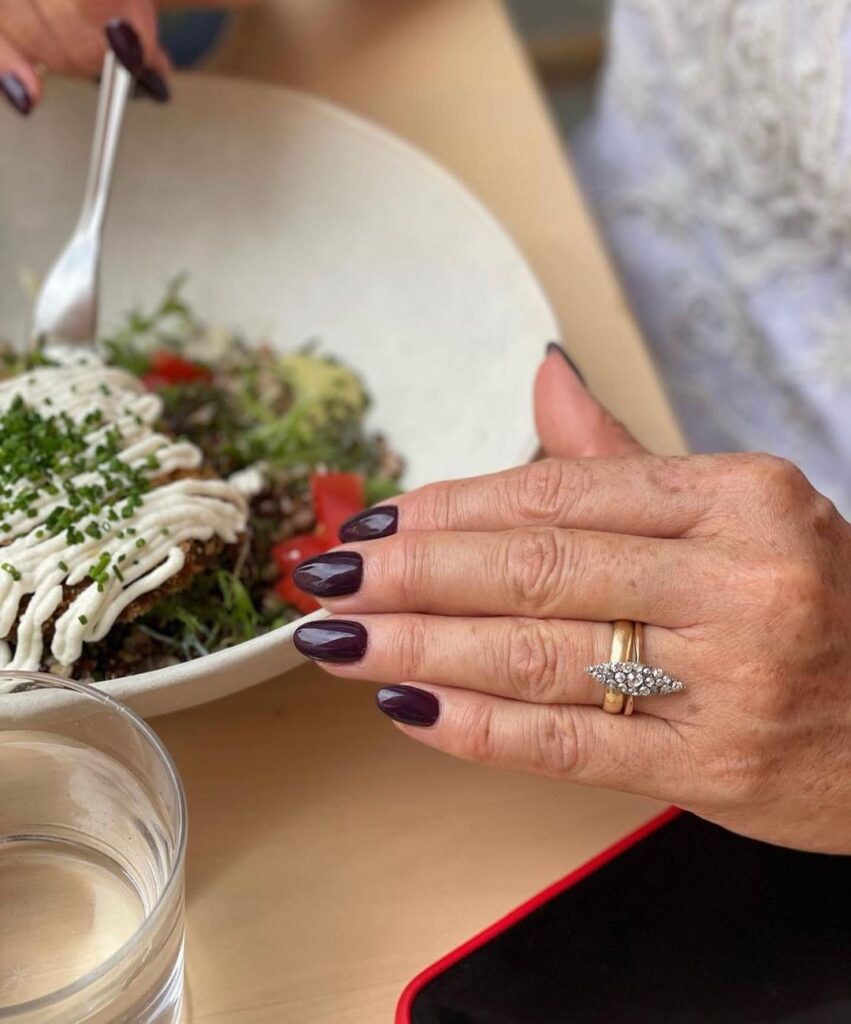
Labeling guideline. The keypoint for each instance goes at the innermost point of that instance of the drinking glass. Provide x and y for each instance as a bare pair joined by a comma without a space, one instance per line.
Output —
92,844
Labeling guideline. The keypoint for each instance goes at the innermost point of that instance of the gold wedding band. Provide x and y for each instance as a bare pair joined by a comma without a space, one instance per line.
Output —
635,655
42,70
623,633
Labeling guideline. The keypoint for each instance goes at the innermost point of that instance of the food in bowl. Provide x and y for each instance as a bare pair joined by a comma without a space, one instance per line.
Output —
154,499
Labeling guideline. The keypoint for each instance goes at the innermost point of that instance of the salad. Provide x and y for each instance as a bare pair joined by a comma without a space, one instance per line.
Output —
283,459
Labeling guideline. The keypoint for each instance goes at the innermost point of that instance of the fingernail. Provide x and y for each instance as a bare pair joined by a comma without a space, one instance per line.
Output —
151,83
331,575
408,705
554,346
16,93
332,640
381,521
125,44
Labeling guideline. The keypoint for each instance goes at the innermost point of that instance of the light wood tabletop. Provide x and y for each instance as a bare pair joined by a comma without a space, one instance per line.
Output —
330,858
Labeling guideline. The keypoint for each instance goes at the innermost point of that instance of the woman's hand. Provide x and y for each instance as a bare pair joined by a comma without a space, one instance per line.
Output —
71,36
488,598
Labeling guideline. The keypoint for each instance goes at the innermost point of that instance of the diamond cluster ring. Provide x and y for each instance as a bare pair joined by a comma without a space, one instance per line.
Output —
624,676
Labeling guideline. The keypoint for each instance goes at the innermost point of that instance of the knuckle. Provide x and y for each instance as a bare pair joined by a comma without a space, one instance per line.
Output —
409,567
411,646
431,507
535,566
478,729
559,748
778,479
538,494
534,660
823,514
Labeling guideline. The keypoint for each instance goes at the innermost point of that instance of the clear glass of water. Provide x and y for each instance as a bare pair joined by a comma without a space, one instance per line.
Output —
92,844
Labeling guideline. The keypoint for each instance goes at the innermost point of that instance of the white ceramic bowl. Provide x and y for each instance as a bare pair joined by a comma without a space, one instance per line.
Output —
295,220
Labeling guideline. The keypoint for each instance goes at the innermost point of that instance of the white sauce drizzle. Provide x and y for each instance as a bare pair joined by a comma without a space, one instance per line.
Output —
149,551
250,481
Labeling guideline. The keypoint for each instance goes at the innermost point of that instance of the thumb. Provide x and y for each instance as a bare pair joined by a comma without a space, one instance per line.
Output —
571,422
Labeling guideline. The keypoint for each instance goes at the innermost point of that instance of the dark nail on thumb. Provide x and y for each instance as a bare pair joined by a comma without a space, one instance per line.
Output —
554,346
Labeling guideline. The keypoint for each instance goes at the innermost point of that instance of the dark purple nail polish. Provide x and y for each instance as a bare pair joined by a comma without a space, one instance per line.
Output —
332,640
152,84
331,575
16,93
554,346
125,44
408,705
381,521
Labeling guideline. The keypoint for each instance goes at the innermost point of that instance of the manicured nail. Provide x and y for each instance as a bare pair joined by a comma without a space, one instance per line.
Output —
16,93
150,83
381,521
554,346
126,45
408,705
331,575
331,640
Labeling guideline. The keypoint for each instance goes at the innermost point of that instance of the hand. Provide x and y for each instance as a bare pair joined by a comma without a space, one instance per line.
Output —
71,36
492,595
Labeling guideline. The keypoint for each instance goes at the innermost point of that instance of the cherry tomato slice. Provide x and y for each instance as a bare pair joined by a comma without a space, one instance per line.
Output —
289,553
336,498
170,368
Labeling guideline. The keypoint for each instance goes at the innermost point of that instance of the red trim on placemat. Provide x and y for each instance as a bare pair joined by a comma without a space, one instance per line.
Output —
406,1001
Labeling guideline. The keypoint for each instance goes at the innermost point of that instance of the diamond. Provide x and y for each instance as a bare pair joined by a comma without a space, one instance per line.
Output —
634,679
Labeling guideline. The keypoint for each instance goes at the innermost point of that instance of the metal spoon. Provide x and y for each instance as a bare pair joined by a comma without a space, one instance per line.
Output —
66,309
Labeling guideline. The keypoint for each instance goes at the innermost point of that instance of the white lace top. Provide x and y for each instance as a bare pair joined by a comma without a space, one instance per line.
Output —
718,164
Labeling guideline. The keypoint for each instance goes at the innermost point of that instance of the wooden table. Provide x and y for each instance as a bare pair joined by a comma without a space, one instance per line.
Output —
330,858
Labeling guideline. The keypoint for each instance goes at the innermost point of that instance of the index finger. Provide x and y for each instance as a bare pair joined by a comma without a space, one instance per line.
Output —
641,495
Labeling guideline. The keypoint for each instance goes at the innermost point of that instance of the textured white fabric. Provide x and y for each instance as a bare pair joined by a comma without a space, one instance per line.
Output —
718,165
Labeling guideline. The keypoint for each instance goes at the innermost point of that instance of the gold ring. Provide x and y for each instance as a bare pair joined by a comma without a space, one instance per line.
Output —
42,70
635,655
625,676
623,634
